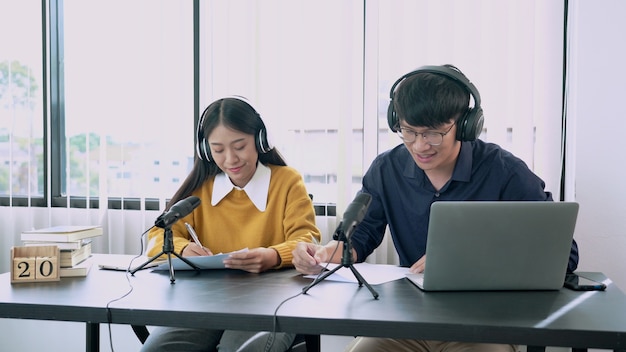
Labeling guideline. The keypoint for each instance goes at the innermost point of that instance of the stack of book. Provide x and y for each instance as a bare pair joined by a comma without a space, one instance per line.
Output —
74,243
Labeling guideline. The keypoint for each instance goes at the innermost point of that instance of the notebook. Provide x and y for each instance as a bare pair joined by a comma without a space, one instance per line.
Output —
497,245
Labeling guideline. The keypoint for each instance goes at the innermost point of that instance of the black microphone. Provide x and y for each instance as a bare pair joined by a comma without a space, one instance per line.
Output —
180,209
354,214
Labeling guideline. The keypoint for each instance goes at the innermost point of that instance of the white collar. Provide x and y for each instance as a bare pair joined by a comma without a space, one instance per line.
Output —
256,189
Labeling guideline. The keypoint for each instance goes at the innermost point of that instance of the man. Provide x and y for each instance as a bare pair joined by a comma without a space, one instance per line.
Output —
441,159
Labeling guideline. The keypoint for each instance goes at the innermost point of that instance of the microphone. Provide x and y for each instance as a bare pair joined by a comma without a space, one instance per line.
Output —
354,214
181,209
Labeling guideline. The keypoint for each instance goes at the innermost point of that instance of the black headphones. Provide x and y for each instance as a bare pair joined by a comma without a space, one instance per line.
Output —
470,125
203,150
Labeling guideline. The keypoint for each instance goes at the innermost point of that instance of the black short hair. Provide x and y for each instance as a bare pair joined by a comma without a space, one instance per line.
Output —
430,100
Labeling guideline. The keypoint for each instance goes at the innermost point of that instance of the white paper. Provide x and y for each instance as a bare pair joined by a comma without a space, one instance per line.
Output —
374,274
202,262
121,262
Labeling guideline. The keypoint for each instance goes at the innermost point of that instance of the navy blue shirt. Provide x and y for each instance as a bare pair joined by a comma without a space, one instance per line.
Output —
402,194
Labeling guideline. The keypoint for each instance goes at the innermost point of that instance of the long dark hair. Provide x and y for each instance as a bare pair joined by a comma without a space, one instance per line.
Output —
233,113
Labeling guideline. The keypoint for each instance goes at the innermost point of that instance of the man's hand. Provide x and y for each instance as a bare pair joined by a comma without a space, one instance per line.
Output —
308,256
419,265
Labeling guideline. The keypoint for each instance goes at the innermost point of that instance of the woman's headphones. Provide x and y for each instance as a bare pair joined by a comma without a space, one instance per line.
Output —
203,150
470,125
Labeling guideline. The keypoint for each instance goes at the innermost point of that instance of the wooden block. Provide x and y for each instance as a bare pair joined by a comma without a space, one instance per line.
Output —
23,269
35,264
46,268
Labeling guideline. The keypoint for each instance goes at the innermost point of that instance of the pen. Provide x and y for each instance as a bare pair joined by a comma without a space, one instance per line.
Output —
195,238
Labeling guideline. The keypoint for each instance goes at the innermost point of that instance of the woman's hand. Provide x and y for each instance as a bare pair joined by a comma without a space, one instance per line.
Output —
192,250
254,260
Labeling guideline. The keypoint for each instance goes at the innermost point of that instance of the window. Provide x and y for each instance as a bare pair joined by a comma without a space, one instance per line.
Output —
128,96
130,93
22,143
511,50
300,63
111,120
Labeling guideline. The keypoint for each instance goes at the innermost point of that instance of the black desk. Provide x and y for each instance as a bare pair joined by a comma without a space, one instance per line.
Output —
230,299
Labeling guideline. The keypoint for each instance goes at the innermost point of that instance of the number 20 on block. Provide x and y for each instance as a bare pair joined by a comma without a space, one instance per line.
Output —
35,264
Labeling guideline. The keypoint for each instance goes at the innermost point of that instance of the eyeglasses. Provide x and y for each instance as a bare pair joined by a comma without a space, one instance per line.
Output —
432,138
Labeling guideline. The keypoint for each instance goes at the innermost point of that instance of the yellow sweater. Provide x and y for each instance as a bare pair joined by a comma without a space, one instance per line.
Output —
235,223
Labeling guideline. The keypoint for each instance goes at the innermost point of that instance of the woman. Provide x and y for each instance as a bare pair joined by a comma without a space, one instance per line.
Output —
249,199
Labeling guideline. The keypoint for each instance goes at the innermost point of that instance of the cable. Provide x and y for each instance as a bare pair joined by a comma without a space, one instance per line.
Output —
130,289
270,340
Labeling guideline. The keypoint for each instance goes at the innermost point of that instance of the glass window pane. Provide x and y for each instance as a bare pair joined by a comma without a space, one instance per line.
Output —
511,50
300,63
21,99
129,97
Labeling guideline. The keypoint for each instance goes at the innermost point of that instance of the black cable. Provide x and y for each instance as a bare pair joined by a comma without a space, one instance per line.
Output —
130,289
564,101
270,340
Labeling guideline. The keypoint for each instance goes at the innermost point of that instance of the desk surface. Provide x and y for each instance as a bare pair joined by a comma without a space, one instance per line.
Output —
231,299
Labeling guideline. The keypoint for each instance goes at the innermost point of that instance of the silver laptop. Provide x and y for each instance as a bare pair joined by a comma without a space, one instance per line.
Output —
497,245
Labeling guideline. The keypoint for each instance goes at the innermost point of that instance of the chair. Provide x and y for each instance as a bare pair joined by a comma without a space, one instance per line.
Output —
302,343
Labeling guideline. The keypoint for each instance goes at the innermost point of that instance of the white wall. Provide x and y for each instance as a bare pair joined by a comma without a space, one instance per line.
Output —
596,103
54,336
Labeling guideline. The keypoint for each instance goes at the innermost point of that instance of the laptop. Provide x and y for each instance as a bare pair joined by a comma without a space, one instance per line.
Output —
497,246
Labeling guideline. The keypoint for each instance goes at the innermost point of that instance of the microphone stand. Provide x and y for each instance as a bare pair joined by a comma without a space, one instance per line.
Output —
346,262
168,248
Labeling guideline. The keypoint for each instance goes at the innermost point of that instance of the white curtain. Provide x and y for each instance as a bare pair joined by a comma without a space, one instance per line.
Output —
322,89
511,50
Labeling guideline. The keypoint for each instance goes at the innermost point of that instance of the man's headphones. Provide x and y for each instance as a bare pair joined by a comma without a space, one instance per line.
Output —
470,125
260,138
